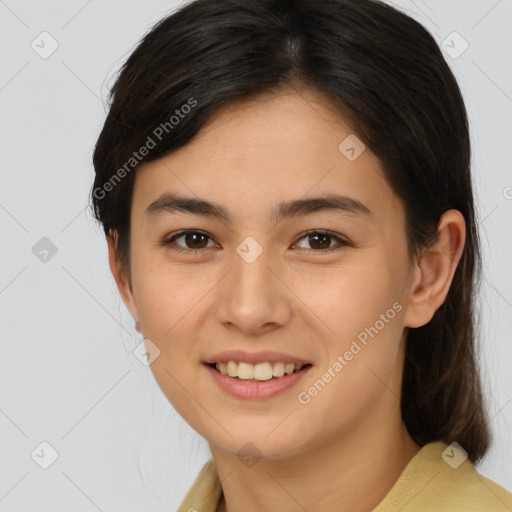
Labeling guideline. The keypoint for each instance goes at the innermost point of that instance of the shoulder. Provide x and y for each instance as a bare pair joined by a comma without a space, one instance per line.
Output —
205,492
441,478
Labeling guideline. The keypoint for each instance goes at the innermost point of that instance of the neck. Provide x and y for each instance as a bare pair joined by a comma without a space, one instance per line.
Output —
349,471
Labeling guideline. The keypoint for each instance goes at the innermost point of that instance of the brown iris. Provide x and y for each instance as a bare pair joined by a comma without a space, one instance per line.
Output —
324,243
193,237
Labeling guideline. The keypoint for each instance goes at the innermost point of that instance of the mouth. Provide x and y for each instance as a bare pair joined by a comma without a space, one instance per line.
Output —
257,372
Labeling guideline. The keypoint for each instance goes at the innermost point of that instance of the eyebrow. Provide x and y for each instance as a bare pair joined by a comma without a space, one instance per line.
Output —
171,203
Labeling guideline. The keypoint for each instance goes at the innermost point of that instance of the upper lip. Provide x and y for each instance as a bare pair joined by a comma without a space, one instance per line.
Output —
255,357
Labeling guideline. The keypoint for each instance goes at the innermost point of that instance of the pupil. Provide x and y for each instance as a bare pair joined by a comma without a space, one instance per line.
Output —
324,237
191,238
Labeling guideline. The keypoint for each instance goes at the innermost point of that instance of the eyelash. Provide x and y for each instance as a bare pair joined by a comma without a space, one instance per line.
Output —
342,243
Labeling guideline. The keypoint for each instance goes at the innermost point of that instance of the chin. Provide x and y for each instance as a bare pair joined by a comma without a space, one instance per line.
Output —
250,445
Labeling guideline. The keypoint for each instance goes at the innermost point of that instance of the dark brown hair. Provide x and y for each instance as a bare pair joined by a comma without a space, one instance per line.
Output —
386,75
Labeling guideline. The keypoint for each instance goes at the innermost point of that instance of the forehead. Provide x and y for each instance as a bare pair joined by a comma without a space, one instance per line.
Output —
272,148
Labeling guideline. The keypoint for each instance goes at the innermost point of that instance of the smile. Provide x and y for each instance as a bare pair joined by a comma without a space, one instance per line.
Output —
259,372
256,382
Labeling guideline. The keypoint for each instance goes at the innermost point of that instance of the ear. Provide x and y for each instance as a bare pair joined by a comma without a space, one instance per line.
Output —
434,271
122,280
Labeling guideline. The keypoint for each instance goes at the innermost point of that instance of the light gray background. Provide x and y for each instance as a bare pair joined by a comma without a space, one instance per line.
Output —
67,374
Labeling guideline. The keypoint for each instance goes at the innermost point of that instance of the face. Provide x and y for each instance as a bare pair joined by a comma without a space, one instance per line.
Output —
324,285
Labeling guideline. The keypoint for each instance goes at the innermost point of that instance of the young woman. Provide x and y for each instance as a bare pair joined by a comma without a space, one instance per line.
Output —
285,189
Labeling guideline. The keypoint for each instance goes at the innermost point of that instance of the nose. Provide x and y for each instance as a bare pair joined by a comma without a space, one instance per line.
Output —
253,298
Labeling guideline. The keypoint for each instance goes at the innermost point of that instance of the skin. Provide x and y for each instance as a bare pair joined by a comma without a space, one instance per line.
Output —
346,448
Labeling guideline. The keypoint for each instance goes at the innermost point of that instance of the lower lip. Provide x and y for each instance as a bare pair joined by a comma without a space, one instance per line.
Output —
256,390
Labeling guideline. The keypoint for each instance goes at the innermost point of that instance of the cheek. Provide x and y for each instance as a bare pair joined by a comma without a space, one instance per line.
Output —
360,306
166,293
360,360
165,302
168,298
349,297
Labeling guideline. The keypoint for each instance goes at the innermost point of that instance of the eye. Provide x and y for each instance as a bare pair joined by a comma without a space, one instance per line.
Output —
320,241
195,241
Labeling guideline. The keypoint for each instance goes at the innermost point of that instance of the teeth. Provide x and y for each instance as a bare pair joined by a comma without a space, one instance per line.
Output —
245,371
232,369
260,371
278,370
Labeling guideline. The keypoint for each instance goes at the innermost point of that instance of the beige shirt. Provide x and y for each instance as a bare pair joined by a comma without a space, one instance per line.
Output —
429,483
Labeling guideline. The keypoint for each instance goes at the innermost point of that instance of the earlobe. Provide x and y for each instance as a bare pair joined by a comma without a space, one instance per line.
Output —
434,271
123,283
